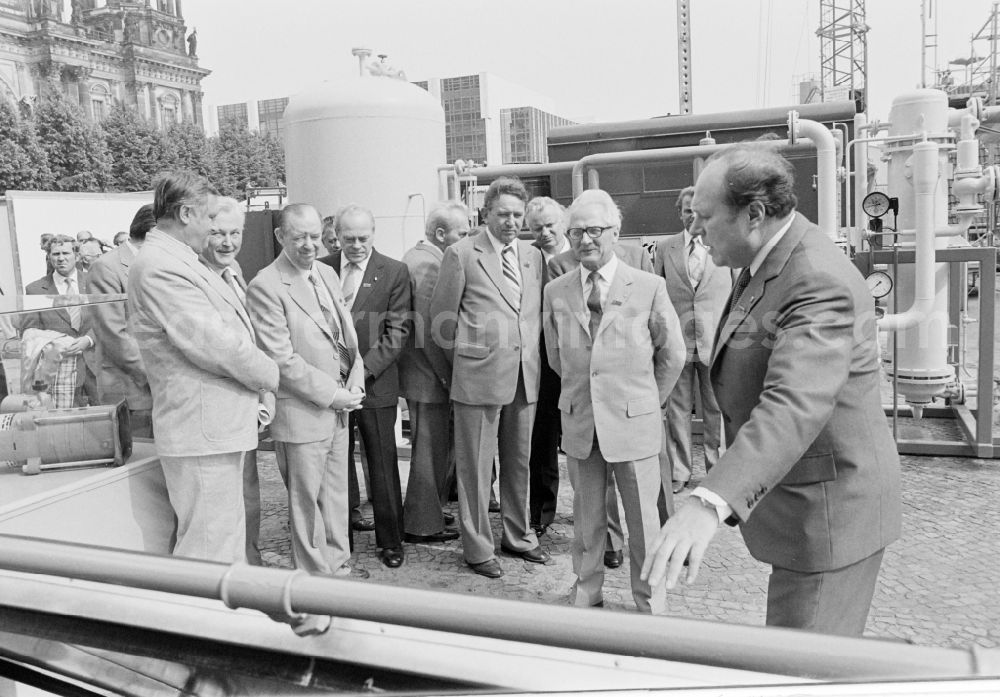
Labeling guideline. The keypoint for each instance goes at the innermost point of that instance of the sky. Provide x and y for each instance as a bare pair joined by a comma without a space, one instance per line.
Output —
599,60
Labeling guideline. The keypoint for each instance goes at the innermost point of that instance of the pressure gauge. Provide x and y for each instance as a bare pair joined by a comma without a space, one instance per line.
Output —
876,204
879,284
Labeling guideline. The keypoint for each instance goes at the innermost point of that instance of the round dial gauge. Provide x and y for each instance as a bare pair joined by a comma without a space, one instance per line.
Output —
876,204
879,284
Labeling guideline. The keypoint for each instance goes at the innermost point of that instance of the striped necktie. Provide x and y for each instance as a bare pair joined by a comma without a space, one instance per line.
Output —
742,281
594,303
331,319
696,262
510,273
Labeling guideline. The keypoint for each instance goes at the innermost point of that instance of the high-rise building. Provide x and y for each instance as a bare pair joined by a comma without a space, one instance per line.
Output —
489,119
264,116
135,52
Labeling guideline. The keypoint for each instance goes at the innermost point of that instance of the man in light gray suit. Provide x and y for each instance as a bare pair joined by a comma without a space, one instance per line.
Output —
204,368
615,341
306,328
698,289
425,382
487,310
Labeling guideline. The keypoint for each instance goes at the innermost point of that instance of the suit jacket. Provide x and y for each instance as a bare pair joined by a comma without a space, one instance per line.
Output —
484,338
122,372
811,470
199,348
381,311
57,319
698,308
424,378
633,255
617,382
293,331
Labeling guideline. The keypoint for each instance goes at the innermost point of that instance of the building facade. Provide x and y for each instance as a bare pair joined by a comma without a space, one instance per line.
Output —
264,116
103,52
491,120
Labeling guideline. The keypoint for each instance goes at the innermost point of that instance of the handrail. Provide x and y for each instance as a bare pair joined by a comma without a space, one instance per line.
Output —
275,591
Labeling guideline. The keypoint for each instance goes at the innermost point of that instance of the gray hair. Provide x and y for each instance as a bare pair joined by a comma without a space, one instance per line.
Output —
62,239
293,210
350,209
685,192
540,203
756,172
442,214
598,197
227,204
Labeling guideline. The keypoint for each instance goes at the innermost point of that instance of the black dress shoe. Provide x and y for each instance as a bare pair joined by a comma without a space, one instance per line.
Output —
536,555
539,529
392,557
489,568
449,519
363,525
678,487
613,559
440,536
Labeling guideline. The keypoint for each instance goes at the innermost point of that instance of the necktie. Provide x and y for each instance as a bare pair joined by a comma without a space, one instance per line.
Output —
594,304
510,273
230,278
742,281
696,262
349,284
72,310
331,319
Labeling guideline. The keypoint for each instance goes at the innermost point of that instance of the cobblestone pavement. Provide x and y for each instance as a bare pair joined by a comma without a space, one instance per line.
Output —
938,585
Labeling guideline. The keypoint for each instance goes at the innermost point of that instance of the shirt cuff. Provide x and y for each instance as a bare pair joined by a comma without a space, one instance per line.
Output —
722,509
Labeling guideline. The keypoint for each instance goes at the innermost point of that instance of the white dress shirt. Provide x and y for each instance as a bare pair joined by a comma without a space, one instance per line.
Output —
606,274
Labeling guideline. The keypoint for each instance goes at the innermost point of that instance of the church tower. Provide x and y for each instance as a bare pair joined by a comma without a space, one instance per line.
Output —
103,52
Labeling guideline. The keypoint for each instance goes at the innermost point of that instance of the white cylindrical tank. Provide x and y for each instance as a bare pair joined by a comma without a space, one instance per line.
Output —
375,141
922,368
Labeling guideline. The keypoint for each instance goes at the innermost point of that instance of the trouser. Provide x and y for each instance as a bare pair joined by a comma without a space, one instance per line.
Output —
431,461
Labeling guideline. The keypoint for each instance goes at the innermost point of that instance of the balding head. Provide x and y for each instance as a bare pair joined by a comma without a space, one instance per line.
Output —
300,232
447,223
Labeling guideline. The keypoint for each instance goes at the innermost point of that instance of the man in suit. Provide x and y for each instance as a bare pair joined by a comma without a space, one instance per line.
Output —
72,321
122,375
425,381
546,219
614,338
219,255
377,292
305,326
560,264
487,308
204,368
811,473
699,290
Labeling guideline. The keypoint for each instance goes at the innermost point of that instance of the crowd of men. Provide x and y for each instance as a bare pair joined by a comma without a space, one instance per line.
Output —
506,351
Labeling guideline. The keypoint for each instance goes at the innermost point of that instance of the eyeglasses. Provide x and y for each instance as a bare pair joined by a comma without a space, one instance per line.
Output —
594,233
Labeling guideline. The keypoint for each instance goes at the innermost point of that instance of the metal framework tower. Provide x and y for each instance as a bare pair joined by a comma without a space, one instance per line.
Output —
684,56
843,37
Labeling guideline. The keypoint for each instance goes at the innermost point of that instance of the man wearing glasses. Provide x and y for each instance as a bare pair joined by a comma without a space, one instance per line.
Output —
612,335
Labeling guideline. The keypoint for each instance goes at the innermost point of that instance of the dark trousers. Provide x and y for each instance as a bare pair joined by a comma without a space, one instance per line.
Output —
377,429
543,465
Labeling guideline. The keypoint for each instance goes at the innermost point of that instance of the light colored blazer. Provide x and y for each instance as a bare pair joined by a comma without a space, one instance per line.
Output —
617,383
199,348
293,331
811,470
482,336
699,309
122,372
424,378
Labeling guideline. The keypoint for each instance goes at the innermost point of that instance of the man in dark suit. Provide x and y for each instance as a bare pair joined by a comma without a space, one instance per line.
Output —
122,374
377,291
811,472
492,285
698,290
425,382
73,321
546,219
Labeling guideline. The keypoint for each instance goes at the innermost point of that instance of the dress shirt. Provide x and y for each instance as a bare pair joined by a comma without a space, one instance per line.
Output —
362,265
606,274
498,246
687,252
63,287
723,509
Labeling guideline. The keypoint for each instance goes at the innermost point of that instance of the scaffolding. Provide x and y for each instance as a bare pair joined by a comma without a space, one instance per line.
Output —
843,37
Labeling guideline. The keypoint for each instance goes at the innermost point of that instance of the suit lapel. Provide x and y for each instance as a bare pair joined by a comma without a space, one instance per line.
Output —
772,266
679,259
490,261
618,294
366,286
50,288
574,298
301,292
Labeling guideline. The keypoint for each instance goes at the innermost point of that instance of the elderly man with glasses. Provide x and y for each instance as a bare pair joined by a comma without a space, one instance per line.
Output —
612,335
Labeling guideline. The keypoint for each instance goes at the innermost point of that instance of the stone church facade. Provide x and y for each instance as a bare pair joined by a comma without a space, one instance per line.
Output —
102,53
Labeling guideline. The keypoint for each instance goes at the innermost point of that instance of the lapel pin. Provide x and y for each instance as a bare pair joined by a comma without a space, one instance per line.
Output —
616,302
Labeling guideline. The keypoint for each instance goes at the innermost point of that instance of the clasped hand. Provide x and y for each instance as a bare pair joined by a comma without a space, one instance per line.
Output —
347,400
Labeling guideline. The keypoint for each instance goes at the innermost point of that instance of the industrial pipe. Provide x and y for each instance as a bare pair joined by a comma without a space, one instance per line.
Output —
860,179
826,168
446,174
636,156
925,177
283,591
522,170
